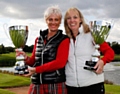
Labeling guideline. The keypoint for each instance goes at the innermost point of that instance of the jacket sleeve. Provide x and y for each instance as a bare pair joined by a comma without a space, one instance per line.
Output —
107,51
31,60
59,62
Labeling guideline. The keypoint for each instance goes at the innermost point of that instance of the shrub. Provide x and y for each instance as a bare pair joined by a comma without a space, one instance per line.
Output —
108,82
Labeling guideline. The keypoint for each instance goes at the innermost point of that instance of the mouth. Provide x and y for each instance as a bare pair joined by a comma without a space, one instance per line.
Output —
72,25
53,26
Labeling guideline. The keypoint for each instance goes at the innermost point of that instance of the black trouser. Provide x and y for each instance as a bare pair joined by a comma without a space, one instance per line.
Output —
93,89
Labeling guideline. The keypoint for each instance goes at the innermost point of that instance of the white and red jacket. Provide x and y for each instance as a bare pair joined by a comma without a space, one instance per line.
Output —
80,51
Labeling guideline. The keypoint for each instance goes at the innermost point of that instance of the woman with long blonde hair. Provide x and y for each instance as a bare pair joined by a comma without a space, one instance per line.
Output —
79,80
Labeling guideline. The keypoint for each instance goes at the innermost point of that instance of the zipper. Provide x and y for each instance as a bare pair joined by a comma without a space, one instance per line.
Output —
41,59
76,61
57,72
43,52
52,39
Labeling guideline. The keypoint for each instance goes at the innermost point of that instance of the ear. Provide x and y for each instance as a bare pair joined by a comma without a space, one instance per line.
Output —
80,22
60,20
46,21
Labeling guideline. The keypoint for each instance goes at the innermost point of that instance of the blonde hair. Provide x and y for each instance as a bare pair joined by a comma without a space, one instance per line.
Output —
67,29
52,10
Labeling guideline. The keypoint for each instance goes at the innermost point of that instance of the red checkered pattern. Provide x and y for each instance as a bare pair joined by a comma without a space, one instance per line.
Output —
58,88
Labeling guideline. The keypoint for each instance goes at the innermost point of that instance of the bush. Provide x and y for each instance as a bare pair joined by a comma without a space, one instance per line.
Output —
108,82
7,60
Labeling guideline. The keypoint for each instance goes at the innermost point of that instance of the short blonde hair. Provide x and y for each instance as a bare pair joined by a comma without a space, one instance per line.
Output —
52,10
67,29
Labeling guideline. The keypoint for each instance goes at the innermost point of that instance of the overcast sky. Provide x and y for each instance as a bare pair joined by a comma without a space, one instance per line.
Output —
30,12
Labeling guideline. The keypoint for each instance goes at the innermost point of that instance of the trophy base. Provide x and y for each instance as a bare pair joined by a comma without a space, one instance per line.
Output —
21,72
90,65
20,68
89,68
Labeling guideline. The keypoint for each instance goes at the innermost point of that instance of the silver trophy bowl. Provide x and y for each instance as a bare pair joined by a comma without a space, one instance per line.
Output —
19,35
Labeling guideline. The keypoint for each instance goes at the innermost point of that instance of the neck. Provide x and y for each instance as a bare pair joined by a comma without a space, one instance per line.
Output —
51,34
75,33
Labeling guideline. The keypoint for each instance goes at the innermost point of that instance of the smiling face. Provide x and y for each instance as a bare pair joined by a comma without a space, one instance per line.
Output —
53,22
73,21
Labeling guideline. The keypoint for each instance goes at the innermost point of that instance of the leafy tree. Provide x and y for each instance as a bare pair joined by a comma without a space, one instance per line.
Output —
9,49
116,47
28,48
2,49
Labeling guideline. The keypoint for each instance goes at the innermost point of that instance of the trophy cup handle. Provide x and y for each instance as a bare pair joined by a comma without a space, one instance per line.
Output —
5,27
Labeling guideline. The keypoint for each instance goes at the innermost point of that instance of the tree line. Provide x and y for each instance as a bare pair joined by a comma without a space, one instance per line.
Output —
9,49
114,45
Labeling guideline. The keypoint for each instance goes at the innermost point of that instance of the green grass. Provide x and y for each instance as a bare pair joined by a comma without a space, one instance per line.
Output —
116,64
3,91
10,55
7,55
8,80
112,89
8,59
117,58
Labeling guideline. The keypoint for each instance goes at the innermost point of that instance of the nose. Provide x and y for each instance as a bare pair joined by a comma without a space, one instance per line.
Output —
71,19
53,21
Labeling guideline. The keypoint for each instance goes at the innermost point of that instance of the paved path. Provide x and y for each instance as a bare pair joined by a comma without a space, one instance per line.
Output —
19,90
24,90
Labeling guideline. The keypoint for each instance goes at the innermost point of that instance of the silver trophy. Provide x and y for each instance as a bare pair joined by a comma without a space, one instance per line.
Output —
19,35
100,31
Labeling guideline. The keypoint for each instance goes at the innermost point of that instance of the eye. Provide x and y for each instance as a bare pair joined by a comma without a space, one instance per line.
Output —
75,17
56,19
68,18
50,19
